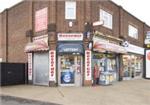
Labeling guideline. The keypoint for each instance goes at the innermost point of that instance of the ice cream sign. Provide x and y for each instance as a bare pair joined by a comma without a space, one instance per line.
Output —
87,65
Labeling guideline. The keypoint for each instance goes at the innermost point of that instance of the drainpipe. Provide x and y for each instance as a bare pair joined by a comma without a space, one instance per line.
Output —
6,35
120,64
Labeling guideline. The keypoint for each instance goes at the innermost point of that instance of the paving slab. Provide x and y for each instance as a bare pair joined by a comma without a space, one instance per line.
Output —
133,92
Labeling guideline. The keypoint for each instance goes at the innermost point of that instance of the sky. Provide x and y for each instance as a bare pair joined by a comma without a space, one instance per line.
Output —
138,8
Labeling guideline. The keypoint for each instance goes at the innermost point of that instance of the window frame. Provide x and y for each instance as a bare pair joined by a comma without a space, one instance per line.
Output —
134,28
109,23
69,4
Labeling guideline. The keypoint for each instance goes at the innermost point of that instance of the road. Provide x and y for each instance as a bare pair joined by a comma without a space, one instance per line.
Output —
7,100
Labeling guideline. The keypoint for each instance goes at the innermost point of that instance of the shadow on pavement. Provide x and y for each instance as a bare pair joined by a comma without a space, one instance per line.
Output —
10,100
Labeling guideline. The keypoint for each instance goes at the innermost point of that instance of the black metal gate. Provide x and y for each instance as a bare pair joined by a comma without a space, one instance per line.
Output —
12,73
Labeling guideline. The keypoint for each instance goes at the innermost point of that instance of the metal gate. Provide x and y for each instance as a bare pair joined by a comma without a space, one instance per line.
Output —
40,67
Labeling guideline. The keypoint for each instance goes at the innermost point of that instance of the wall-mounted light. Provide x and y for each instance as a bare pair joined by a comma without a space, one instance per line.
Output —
70,23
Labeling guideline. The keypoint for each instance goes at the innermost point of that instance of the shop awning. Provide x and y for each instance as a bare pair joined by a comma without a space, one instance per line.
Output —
106,46
37,46
70,48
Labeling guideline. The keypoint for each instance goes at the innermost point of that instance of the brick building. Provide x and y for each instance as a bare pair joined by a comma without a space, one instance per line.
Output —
55,37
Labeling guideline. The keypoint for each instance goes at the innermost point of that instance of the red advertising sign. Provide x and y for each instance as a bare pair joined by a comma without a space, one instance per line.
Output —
52,65
88,65
41,19
29,66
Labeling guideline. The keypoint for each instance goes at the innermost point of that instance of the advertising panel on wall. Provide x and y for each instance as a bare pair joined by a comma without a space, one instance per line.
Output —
41,18
29,66
88,63
147,63
52,65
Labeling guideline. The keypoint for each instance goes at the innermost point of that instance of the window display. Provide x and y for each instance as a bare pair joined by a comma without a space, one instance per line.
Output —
106,63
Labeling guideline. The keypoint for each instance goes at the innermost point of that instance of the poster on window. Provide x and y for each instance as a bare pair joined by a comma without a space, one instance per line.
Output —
41,18
52,65
88,65
147,63
29,66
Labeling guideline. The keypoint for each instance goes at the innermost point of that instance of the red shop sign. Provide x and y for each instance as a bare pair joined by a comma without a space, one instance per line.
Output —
88,65
52,65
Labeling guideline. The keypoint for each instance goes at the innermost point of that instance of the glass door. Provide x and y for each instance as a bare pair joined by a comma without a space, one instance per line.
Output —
66,70
70,70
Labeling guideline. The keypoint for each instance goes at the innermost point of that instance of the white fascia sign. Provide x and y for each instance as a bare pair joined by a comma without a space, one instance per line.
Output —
70,36
135,49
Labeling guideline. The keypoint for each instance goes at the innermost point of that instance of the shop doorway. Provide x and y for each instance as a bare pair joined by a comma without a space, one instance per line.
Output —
132,66
70,70
41,68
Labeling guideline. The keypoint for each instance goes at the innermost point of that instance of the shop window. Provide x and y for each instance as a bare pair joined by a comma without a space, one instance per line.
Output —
133,31
132,65
70,10
106,18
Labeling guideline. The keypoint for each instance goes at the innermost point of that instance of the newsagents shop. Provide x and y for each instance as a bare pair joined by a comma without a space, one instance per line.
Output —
63,66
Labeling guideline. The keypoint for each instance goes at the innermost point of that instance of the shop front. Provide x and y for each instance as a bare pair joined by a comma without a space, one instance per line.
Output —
106,56
70,53
133,62
38,60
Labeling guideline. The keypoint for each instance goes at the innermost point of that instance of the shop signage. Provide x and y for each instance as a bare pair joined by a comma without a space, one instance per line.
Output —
135,49
70,48
39,38
88,65
147,41
52,65
39,43
98,23
147,63
41,18
67,77
102,45
29,66
70,36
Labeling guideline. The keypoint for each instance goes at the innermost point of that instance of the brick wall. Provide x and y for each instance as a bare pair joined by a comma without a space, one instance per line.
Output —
21,18
18,23
62,23
110,8
127,19
0,35
3,35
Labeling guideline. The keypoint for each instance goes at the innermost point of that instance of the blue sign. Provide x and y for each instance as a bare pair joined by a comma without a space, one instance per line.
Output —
67,77
70,48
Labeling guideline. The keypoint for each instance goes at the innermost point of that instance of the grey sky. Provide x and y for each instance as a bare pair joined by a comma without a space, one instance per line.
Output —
139,8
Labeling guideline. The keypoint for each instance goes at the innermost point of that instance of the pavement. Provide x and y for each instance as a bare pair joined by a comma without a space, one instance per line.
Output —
133,92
